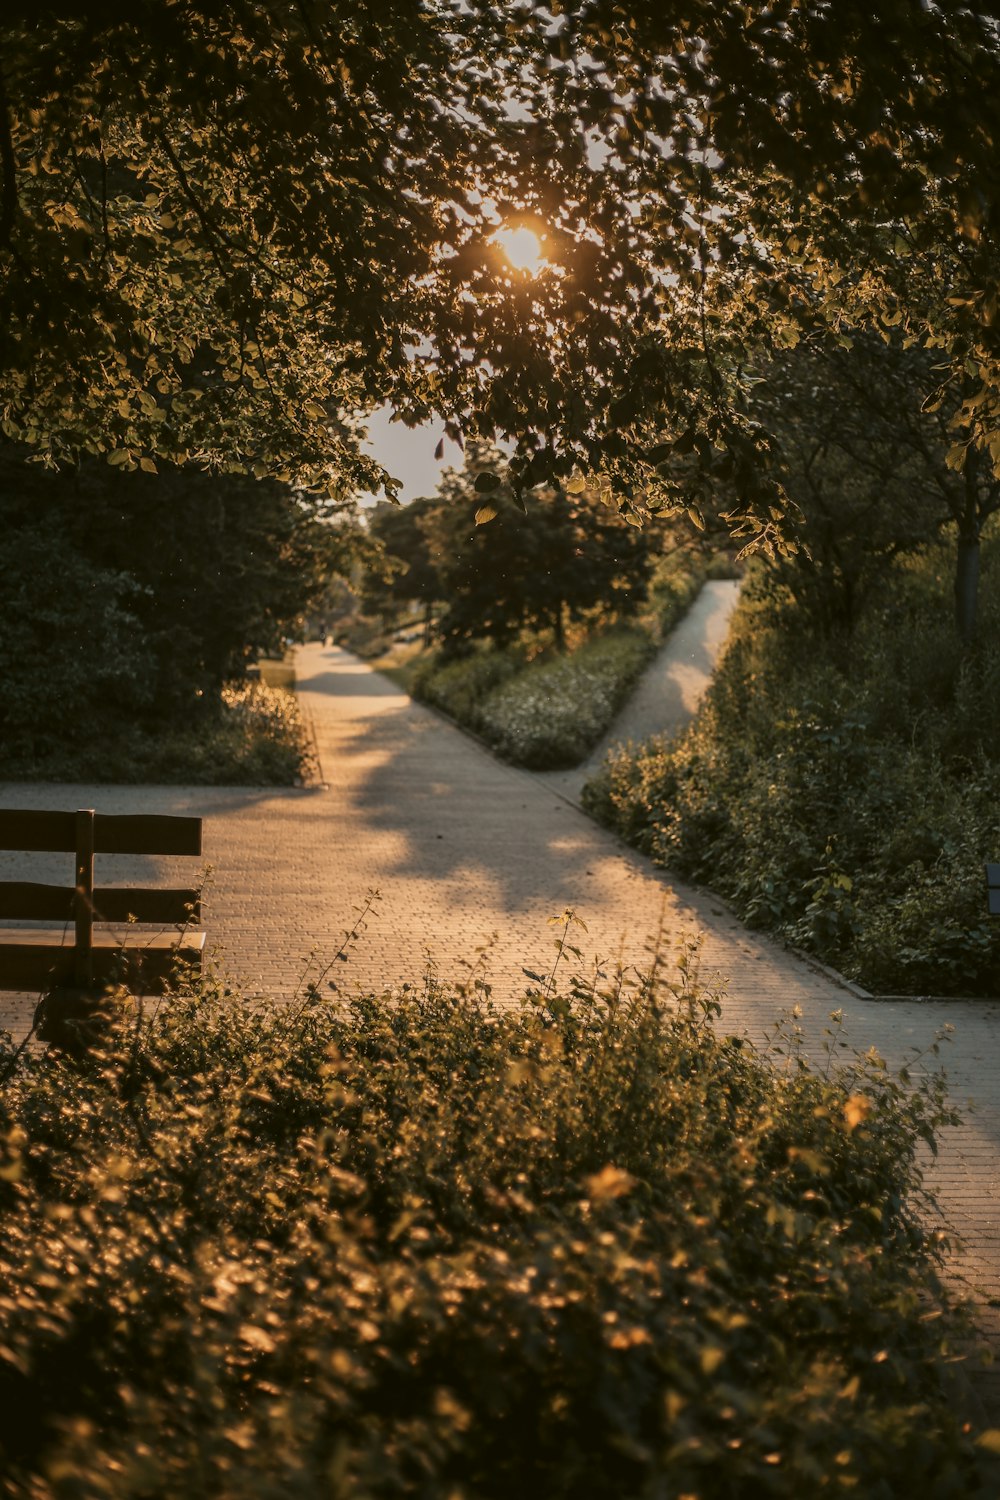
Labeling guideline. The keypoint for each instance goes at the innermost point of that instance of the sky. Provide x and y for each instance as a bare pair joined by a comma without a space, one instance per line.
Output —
408,453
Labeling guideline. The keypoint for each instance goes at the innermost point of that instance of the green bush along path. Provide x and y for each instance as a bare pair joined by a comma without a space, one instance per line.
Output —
462,846
670,689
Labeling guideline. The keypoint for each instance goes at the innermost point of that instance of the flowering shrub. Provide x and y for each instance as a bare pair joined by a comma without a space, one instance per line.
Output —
458,687
413,1246
546,713
552,713
270,743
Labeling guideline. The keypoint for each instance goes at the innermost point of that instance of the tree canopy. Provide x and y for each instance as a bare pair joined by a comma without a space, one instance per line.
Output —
143,594
865,464
498,567
229,231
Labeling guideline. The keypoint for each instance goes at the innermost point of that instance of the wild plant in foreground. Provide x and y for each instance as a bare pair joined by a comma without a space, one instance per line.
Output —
414,1244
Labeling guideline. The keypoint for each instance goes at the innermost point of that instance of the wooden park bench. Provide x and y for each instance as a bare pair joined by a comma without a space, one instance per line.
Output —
73,954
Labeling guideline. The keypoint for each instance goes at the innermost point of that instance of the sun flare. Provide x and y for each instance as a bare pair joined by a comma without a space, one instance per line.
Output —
522,248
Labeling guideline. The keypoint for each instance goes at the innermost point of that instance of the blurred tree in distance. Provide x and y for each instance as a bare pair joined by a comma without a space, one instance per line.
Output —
408,573
504,566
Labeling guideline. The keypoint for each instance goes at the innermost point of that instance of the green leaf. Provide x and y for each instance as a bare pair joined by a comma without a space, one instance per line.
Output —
486,481
484,514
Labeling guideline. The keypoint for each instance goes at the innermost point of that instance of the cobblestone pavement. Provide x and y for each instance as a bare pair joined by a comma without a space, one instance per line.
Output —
671,688
463,848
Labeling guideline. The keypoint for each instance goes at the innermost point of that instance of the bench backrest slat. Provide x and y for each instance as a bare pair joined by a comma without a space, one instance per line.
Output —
32,830
31,957
29,901
26,900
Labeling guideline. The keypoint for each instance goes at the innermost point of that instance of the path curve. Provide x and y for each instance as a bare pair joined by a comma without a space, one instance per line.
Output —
462,847
672,686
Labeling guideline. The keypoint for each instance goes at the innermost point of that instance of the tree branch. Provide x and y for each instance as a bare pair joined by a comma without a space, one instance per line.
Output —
213,236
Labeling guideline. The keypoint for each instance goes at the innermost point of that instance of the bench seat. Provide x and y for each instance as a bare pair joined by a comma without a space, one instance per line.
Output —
33,958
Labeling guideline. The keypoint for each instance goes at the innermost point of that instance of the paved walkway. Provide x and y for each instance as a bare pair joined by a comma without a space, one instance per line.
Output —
671,688
462,848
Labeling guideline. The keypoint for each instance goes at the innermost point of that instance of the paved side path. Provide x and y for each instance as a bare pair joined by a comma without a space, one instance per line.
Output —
671,688
463,847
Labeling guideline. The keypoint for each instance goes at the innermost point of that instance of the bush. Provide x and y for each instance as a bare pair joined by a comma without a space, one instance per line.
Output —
676,583
254,736
414,1246
459,687
543,714
72,650
553,713
843,794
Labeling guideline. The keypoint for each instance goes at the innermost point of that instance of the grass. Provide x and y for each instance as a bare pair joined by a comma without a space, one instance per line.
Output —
399,663
278,672
408,1244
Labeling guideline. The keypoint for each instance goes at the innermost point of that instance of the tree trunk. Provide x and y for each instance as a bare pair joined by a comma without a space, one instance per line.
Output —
967,585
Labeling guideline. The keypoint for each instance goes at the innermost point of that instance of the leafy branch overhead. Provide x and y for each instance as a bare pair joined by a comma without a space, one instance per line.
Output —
226,235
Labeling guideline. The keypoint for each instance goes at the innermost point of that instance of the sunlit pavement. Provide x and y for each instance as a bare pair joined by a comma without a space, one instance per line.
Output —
468,853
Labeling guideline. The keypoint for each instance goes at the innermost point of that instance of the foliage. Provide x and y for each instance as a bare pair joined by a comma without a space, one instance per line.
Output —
131,599
271,744
251,735
866,456
544,713
411,1244
70,641
225,232
676,581
504,565
845,798
553,712
202,218
409,572
459,687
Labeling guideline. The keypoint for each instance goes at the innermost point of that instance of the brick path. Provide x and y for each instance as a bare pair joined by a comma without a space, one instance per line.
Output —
463,847
670,689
